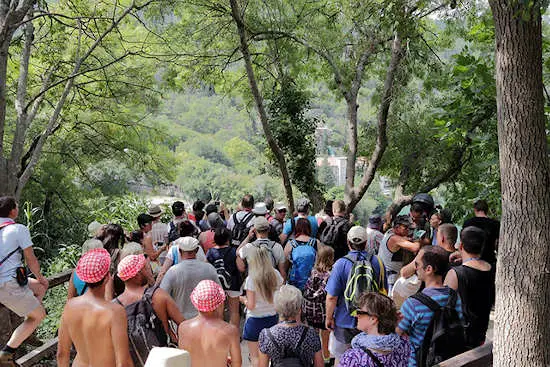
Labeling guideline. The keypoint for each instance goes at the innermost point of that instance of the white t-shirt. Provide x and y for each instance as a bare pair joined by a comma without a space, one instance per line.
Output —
158,232
263,308
200,254
12,237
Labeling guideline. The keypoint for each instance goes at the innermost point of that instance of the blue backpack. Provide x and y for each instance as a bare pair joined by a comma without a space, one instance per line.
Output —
302,258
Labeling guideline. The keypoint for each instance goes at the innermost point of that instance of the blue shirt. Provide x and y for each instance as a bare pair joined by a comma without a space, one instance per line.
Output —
336,285
287,229
79,284
417,317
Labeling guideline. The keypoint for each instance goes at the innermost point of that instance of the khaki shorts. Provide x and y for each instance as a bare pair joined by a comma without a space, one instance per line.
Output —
19,299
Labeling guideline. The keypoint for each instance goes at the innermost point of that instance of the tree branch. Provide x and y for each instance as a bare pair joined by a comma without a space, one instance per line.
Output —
382,138
27,172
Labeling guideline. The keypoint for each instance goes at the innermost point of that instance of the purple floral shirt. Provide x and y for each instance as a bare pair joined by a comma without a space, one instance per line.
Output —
398,357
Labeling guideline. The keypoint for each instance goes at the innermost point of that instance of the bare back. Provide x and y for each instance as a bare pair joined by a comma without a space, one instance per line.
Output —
98,330
210,342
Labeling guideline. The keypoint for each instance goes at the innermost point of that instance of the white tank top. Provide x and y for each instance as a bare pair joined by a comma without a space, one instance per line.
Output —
393,261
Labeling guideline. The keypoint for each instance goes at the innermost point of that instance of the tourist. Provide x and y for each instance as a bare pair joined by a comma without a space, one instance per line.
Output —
269,204
446,236
181,279
315,296
173,256
378,344
145,222
97,328
206,238
24,296
474,281
240,223
323,215
374,235
113,238
491,228
280,210
198,213
224,258
139,297
159,232
260,231
431,263
290,340
302,207
435,222
178,210
77,286
301,252
260,286
209,340
338,318
393,245
336,229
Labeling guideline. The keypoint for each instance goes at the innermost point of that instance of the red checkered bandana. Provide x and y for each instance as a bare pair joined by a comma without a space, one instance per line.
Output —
93,265
207,296
130,266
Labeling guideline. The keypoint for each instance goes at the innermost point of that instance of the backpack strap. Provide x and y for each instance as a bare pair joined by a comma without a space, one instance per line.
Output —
9,255
148,294
373,357
247,218
426,301
272,338
302,338
174,252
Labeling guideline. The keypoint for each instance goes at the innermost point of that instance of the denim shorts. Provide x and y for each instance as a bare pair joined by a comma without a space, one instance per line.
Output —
254,325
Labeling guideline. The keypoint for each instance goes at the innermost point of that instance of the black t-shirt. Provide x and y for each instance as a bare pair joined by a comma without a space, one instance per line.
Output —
229,256
477,293
492,229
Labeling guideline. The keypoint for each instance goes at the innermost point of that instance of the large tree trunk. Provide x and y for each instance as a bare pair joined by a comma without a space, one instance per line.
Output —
258,99
523,281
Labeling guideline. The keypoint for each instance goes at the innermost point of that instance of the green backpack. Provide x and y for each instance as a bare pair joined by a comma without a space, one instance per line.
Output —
361,279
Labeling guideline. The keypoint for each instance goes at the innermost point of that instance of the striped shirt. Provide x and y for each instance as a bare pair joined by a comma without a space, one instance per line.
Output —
417,317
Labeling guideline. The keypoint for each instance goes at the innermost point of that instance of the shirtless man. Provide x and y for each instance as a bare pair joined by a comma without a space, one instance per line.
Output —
134,270
96,327
209,340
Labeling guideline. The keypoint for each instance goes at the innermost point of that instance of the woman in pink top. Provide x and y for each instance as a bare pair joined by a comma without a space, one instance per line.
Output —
206,238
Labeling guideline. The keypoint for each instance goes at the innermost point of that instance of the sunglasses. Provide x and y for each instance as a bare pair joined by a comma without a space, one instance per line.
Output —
362,313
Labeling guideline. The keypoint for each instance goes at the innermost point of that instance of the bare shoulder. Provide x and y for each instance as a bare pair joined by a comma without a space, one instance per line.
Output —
116,309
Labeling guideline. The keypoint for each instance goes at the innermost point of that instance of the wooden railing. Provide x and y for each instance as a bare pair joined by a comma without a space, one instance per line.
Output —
50,346
478,357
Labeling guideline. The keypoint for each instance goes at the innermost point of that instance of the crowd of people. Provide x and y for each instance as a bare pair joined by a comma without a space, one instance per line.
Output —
299,289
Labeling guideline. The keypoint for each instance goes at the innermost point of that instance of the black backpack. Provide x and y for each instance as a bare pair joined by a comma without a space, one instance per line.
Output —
291,358
173,234
223,274
145,329
445,335
334,234
240,230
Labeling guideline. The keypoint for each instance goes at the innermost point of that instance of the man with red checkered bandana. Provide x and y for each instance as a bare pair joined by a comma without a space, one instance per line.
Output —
209,340
134,271
96,327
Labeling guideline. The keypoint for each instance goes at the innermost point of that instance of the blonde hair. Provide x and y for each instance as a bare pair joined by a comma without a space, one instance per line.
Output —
262,273
325,259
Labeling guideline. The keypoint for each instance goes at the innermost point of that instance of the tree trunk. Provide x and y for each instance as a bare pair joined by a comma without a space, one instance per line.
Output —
258,99
523,292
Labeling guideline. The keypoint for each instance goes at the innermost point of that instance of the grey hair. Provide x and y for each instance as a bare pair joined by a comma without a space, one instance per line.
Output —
91,244
131,248
288,302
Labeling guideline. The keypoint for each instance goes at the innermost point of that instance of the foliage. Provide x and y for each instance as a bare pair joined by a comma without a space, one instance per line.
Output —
295,134
122,210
